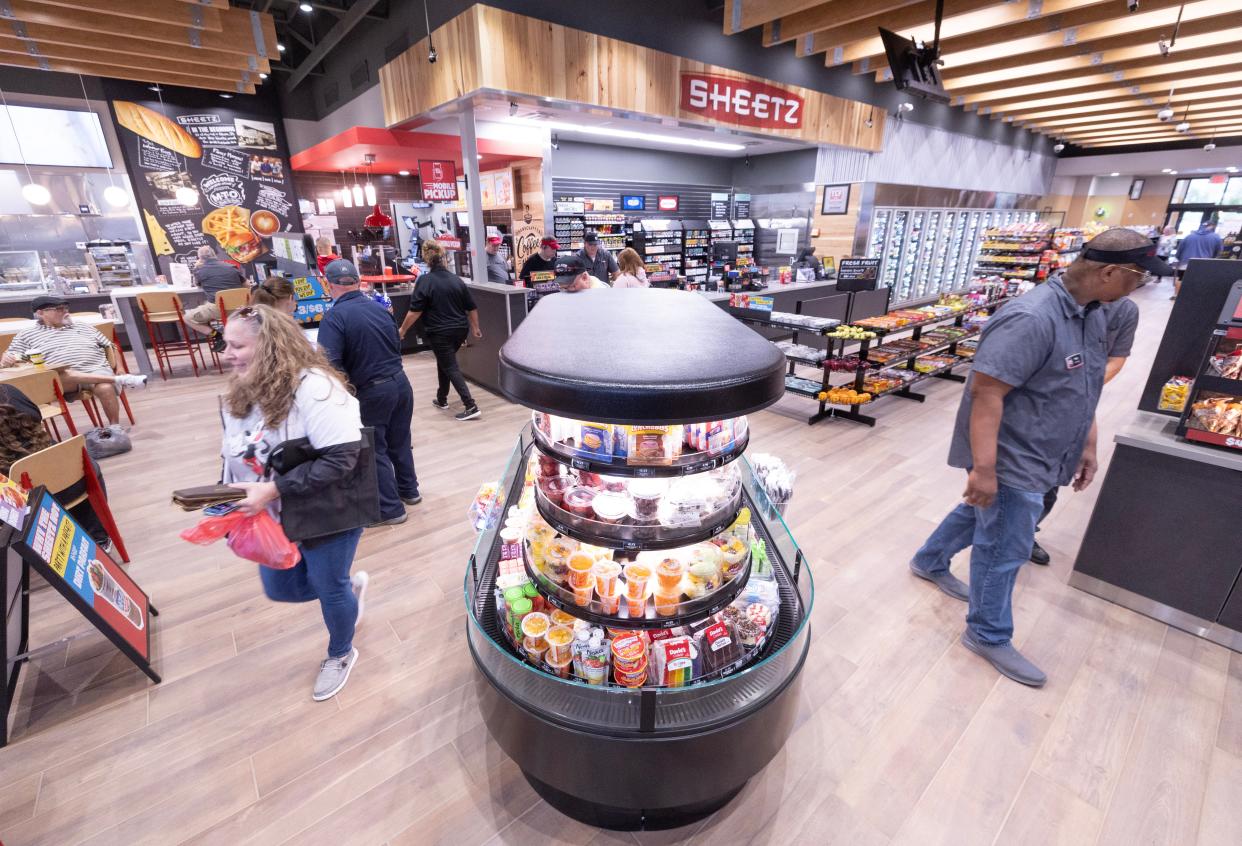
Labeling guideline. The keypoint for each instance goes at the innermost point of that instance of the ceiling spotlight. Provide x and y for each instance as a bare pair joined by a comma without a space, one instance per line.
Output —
154,88
280,47
432,55
36,194
403,173
1058,147
262,76
905,108
1165,115
1173,172
226,95
1166,170
1209,146
187,196
305,7
1114,173
1184,126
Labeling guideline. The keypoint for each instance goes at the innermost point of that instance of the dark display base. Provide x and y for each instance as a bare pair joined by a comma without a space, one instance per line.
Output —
624,819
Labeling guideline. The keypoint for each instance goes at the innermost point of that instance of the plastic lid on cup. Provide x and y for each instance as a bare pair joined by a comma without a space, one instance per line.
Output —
513,594
521,606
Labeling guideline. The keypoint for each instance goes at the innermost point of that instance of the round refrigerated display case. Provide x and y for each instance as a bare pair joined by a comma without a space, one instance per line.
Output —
638,610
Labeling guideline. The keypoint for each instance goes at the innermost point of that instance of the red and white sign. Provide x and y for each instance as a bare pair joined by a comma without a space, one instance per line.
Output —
742,102
1216,438
439,180
448,242
669,203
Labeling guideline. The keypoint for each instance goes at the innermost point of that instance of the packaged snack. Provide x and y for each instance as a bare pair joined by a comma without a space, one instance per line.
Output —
548,466
518,609
702,578
719,646
620,441
556,560
595,440
609,603
577,501
1174,394
674,661
734,554
748,633
646,495
654,444
611,507
592,661
553,488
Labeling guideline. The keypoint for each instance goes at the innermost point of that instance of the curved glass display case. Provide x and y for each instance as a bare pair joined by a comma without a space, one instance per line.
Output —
607,653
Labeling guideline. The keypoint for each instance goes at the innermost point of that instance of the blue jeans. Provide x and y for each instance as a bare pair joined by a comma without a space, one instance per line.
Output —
388,408
1001,538
323,574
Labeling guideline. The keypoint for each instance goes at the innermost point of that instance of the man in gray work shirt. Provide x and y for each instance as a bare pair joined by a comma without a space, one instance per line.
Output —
1027,424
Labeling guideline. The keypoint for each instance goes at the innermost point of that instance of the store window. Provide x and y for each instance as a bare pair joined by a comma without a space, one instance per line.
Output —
1179,192
1233,193
1205,192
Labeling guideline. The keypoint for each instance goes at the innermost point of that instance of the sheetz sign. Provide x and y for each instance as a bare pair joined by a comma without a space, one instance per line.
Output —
743,102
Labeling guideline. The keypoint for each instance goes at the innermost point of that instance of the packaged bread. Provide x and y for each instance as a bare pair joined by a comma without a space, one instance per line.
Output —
155,127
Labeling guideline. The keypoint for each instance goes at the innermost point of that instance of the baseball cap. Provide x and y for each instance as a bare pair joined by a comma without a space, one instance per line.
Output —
495,239
590,238
341,272
550,242
47,301
569,268
1143,256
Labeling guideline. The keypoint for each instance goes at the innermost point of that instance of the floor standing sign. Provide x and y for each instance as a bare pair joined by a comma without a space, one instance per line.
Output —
60,550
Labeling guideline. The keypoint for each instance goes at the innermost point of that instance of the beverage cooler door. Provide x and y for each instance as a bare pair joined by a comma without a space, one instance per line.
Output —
927,255
910,256
946,255
896,243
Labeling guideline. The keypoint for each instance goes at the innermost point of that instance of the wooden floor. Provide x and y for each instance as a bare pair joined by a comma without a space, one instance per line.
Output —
903,737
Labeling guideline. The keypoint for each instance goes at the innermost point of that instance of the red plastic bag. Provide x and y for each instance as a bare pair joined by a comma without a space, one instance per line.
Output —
258,538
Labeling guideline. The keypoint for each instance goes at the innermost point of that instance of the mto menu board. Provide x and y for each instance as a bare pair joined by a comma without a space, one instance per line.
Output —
236,163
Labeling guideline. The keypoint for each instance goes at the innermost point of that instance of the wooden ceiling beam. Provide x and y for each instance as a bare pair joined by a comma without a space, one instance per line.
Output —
1159,137
1157,88
240,32
1196,128
104,58
215,4
149,11
1131,118
1116,72
740,15
92,69
1073,25
52,40
1187,94
906,20
1151,142
802,26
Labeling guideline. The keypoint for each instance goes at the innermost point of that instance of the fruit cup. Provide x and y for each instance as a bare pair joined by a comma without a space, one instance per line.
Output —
669,573
609,603
535,649
561,667
581,570
666,604
560,644
606,573
636,577
582,595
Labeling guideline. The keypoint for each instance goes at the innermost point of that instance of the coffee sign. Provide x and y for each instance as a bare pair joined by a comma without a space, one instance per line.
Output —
742,102
439,180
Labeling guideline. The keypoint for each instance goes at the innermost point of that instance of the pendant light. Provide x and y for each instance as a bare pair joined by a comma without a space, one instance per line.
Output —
32,192
114,195
369,189
187,195
357,189
347,199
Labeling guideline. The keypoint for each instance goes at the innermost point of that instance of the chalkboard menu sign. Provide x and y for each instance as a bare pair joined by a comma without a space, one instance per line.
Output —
232,165
741,206
857,274
720,206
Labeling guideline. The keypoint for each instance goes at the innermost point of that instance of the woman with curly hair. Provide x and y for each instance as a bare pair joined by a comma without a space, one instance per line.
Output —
293,440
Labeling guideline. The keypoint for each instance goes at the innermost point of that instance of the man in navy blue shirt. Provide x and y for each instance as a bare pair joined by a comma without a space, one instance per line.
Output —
360,339
1202,243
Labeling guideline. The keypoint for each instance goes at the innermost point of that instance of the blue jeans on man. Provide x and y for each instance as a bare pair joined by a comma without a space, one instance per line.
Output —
387,407
1000,538
322,574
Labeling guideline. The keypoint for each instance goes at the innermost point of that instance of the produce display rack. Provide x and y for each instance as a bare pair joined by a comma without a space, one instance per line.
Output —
591,750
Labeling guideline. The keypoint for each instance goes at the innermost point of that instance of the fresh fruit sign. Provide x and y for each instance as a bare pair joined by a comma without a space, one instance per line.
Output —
741,102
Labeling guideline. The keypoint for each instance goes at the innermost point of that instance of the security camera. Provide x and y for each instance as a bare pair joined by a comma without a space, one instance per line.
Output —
1058,147
1132,5
1163,47
1165,115
1209,146
1183,127
432,55
905,107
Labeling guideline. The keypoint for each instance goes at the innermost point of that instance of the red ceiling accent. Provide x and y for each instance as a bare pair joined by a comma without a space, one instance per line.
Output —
397,150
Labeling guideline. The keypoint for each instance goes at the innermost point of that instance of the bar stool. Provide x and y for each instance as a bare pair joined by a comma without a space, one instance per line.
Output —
164,309
116,360
65,466
43,389
230,301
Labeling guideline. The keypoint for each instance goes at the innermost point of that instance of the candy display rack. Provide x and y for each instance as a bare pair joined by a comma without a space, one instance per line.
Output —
591,746
1213,412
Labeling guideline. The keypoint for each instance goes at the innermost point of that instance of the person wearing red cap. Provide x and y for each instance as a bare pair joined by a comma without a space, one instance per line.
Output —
543,261
497,265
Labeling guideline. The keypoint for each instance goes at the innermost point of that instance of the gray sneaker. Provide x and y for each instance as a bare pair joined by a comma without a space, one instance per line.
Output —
358,583
333,673
946,581
1007,660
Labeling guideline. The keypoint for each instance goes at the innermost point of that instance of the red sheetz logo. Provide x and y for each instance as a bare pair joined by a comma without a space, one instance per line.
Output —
740,101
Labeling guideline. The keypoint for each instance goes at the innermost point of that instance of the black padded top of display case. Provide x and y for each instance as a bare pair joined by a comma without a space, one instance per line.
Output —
639,355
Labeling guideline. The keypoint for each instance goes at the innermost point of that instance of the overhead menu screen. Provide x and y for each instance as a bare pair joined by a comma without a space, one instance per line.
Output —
53,137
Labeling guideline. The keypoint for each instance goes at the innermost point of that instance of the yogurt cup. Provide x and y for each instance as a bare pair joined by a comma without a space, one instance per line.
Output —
611,507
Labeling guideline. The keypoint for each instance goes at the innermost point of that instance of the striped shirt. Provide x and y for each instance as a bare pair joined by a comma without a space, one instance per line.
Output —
78,347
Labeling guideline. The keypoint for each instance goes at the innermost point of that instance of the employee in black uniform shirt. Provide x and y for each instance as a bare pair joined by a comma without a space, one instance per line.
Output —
541,262
599,261
448,312
497,265
360,339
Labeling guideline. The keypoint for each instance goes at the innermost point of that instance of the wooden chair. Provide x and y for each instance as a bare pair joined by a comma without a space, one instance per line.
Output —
43,389
114,354
5,340
63,466
230,301
164,309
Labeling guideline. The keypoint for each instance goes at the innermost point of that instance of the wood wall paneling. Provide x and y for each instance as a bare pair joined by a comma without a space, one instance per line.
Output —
489,48
836,231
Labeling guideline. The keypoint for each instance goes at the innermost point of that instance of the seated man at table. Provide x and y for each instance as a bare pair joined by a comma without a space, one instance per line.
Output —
81,350
212,275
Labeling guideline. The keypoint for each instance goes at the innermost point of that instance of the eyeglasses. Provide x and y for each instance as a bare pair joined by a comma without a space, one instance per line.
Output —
248,313
55,308
1143,274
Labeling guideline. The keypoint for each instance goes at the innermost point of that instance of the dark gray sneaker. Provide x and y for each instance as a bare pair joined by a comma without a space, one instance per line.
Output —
1039,555
946,581
391,521
333,673
440,405
469,414
1007,660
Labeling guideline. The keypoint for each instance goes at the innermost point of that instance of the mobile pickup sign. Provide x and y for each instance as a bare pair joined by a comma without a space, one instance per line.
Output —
63,552
439,180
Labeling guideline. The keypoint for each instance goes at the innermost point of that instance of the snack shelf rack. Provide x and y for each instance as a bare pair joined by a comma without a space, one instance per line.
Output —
590,749
687,465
